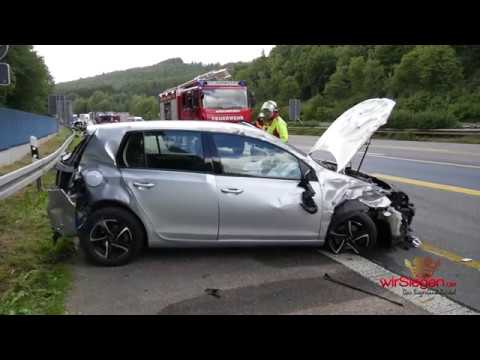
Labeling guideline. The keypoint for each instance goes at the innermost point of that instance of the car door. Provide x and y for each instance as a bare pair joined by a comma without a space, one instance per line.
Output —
172,183
258,192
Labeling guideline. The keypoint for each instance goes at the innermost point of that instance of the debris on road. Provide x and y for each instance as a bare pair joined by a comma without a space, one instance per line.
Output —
329,278
213,292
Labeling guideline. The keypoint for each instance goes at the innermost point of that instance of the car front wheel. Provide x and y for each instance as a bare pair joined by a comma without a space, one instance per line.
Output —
111,237
354,231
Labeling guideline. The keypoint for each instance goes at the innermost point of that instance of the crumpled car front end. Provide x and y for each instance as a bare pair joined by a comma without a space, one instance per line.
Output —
397,212
389,208
349,191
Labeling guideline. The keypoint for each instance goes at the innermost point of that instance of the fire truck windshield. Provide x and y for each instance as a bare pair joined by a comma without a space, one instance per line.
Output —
234,98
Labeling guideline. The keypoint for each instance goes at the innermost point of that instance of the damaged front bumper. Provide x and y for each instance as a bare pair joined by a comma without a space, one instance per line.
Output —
389,208
392,212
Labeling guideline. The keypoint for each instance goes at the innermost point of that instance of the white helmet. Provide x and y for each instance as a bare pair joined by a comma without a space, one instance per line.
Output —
270,105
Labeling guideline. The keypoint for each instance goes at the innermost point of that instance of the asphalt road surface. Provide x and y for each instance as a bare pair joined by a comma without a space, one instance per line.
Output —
443,181
253,281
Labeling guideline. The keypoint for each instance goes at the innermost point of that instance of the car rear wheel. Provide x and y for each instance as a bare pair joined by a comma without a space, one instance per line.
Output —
355,231
111,237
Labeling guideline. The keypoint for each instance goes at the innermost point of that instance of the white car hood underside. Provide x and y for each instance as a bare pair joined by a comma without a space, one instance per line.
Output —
353,128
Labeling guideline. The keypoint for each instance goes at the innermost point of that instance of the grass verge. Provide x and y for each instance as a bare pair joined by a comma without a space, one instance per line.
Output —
34,274
45,149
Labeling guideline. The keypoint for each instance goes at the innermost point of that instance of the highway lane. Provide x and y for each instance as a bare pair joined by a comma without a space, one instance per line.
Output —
449,221
440,162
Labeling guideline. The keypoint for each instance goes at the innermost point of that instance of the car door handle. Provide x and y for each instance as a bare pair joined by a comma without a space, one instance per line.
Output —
232,191
143,185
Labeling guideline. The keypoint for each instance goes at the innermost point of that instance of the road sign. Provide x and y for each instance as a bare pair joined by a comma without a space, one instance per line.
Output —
294,109
4,74
52,105
3,51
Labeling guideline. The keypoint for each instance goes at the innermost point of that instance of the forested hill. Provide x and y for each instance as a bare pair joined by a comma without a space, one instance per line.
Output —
149,80
434,85
133,90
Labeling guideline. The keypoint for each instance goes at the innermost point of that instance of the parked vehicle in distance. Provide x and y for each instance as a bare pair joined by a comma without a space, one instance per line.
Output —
202,183
105,118
135,118
85,117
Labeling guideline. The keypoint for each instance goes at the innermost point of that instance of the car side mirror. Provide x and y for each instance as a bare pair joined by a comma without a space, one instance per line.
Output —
308,204
307,173
305,181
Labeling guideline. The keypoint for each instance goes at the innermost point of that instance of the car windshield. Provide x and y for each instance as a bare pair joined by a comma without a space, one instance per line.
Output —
234,98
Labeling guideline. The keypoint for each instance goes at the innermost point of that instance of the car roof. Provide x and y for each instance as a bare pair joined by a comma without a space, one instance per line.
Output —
110,130
111,134
172,124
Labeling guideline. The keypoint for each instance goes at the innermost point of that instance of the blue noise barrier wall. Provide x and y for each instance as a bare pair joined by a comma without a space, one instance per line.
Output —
16,127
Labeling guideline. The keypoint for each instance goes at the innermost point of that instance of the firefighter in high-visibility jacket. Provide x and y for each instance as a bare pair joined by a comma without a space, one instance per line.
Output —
273,123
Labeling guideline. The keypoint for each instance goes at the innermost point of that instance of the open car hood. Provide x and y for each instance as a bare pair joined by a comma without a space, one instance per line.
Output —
353,128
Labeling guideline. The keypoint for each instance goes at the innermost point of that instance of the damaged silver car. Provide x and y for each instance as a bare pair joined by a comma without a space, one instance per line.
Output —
197,183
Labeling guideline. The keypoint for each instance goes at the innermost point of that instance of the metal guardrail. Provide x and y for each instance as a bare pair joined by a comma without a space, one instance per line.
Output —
443,132
433,132
16,180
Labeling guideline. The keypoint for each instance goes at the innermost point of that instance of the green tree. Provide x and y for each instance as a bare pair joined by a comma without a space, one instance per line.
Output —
100,101
31,80
144,106
374,78
356,74
338,86
431,68
469,56
318,67
80,106
390,55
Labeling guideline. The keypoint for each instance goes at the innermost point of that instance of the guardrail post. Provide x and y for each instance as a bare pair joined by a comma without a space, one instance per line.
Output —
35,157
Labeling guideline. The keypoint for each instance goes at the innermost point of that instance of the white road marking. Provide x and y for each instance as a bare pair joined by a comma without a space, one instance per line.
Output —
426,161
435,304
379,155
473,153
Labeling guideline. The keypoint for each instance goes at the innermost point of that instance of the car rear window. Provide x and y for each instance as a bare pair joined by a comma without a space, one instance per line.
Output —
165,150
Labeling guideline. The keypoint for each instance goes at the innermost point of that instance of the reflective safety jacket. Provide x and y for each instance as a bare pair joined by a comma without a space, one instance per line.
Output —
278,128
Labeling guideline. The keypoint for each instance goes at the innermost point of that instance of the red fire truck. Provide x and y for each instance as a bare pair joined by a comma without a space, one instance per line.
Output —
210,96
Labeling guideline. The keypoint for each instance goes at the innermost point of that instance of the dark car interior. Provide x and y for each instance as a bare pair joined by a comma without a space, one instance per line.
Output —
164,152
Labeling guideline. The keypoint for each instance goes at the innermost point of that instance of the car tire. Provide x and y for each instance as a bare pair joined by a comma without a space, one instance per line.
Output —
112,237
355,228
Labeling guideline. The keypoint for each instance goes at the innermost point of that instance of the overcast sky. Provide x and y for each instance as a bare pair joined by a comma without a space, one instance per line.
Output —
71,62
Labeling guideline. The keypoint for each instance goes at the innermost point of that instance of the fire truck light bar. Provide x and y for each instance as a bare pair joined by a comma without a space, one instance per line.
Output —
220,83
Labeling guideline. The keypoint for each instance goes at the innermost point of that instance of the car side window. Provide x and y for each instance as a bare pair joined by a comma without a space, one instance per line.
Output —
175,150
133,155
243,156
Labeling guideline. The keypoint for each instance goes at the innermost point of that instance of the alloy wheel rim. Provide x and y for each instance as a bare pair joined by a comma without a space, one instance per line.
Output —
110,239
350,234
